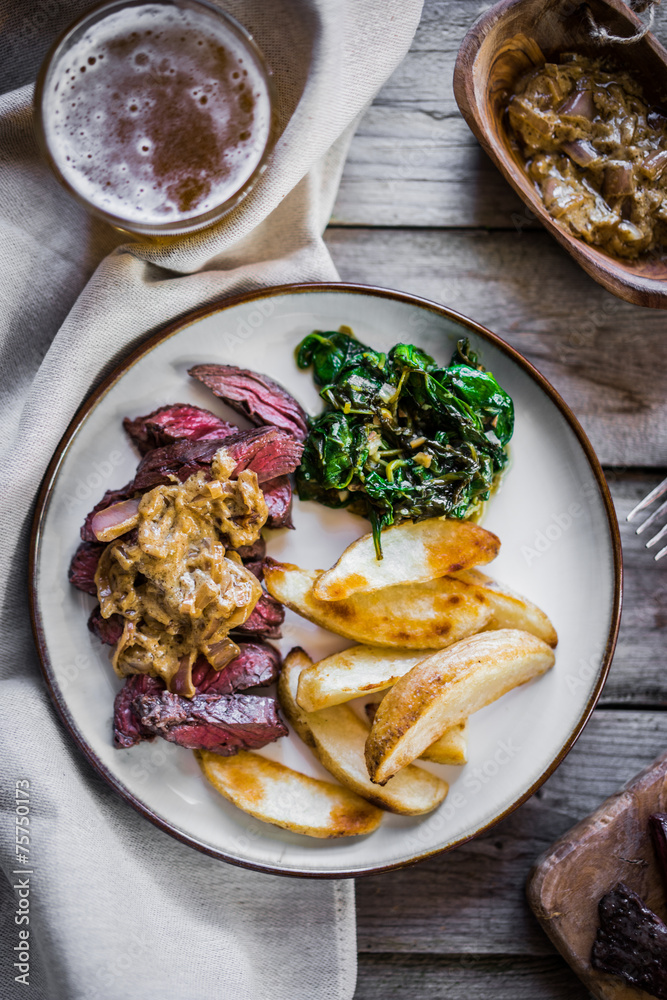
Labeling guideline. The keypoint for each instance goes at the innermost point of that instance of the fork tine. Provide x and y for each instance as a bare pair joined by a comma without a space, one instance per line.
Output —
652,518
656,538
659,491
661,553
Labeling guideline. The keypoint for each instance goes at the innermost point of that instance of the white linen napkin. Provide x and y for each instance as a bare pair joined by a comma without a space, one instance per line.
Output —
117,908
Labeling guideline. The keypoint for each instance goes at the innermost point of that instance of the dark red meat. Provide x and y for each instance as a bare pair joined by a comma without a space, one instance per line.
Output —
176,459
256,568
256,396
177,422
631,942
82,568
278,496
265,620
222,723
267,451
107,630
254,552
127,730
257,665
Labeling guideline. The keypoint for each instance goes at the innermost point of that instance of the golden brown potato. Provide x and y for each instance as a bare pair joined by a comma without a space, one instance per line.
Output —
356,671
447,688
276,794
450,748
509,609
411,553
337,737
428,615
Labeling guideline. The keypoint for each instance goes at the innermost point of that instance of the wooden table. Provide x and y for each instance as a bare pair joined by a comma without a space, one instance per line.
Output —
422,209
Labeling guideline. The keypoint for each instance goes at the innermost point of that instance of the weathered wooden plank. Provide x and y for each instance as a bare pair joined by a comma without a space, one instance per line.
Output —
413,160
471,901
606,357
638,673
466,977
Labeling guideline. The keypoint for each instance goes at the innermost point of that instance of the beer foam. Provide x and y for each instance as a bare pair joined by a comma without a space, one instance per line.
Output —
157,114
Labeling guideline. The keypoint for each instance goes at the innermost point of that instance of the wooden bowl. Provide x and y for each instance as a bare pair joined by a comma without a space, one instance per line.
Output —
506,42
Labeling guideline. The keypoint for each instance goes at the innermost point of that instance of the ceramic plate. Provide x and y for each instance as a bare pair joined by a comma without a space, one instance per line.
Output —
559,547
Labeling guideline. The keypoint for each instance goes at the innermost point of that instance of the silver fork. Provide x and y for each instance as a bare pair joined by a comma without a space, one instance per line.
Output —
652,519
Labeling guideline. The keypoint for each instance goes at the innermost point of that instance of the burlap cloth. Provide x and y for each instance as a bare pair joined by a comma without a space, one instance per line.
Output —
118,909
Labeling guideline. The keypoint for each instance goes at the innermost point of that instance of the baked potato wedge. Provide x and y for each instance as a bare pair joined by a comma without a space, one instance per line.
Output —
411,553
509,609
352,673
451,748
428,615
446,688
279,795
337,737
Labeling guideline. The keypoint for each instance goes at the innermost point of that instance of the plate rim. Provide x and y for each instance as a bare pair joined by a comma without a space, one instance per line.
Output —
145,347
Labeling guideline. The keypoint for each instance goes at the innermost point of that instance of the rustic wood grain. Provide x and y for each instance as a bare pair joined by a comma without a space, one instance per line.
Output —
609,846
607,358
466,977
638,673
472,900
413,160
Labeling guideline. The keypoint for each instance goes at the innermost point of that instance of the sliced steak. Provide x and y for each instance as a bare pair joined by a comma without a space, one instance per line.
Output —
278,496
265,620
267,451
257,397
222,723
257,665
177,422
82,569
254,552
108,630
127,730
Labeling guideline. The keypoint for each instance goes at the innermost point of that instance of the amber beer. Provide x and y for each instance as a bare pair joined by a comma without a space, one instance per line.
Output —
157,115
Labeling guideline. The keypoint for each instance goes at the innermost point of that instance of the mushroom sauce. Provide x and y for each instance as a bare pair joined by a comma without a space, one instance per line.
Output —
596,152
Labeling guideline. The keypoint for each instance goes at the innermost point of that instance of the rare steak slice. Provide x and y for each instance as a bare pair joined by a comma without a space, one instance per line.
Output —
108,630
256,665
222,723
257,397
265,620
81,572
177,422
278,496
127,730
254,552
267,451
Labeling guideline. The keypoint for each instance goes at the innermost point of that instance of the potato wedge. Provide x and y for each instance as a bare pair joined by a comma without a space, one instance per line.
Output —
352,673
337,737
411,553
428,615
445,689
276,794
451,748
509,609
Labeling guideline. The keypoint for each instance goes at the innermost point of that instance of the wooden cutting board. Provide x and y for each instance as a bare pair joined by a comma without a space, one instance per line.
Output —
611,845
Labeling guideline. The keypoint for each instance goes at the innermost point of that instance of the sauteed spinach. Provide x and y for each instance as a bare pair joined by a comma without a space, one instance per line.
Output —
401,437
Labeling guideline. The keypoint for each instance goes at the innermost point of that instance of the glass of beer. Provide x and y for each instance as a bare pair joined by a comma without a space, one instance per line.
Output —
158,116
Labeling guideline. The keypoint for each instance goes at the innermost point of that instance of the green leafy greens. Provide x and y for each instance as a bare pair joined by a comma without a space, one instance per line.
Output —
401,437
